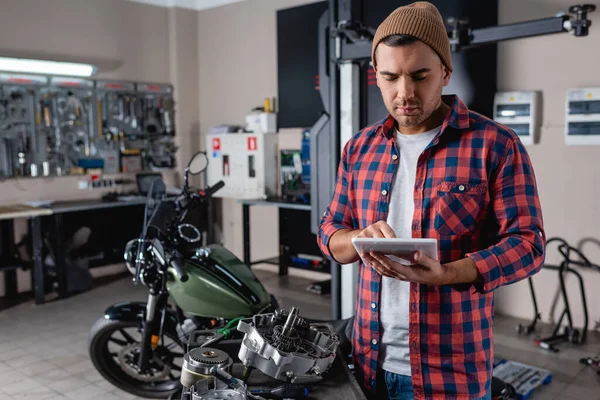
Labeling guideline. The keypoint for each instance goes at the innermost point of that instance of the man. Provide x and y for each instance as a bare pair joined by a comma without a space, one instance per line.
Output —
432,168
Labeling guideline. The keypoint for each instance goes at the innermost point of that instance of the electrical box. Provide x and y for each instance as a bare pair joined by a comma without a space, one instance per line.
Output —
246,162
583,116
521,111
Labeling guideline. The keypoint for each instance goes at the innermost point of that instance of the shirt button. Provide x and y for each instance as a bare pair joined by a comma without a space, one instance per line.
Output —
414,345
384,192
540,233
373,305
394,157
461,188
374,341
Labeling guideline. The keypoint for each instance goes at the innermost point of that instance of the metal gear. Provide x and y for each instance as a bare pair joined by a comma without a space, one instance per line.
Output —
131,369
208,355
286,342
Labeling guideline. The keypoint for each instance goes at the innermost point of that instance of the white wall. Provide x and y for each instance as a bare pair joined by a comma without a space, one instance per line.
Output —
238,69
568,176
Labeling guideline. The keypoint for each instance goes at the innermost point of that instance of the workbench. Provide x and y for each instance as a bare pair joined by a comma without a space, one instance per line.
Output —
61,209
38,218
8,262
294,234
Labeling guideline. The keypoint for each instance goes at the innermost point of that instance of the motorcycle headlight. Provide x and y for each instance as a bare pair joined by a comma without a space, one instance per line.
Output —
130,254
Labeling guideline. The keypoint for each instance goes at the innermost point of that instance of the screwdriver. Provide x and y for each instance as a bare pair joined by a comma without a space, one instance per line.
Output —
286,391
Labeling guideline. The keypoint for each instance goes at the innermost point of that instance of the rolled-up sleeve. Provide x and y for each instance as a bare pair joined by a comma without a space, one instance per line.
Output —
519,251
338,214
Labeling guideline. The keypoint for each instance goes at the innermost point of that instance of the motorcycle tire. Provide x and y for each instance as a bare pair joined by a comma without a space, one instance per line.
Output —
100,335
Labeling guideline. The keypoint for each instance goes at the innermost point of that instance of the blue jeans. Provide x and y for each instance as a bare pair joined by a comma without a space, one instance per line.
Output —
399,387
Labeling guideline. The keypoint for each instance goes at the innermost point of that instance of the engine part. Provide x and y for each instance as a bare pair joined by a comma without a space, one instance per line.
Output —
198,363
205,375
283,346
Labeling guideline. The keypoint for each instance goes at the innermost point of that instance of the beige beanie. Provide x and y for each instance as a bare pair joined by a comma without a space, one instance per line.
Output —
421,20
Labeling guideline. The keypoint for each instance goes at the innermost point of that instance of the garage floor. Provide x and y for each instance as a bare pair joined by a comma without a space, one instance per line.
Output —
43,352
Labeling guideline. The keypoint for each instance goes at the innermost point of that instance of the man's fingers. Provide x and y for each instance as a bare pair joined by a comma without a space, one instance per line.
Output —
384,266
387,231
423,260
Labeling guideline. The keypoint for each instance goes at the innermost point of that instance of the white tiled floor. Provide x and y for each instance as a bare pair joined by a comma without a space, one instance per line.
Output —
43,349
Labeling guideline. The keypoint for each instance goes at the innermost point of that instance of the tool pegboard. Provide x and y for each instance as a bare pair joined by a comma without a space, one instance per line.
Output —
21,147
58,125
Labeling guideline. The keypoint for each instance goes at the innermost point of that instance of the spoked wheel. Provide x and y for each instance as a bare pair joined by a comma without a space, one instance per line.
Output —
114,349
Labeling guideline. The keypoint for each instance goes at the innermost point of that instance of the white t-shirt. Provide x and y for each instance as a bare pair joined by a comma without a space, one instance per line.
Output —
394,353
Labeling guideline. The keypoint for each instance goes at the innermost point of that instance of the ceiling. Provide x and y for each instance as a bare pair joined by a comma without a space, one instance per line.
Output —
190,4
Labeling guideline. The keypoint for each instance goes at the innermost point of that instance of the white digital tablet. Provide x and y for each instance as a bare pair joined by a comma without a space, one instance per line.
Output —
397,248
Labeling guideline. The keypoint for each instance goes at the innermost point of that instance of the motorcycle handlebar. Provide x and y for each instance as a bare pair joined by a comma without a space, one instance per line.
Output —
213,189
178,267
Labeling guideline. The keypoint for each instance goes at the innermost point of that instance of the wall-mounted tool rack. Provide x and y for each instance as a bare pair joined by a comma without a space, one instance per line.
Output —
57,125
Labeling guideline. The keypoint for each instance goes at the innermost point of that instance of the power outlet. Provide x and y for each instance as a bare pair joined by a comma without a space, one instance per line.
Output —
103,183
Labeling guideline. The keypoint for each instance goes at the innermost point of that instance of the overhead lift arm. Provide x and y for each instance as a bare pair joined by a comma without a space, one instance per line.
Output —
354,38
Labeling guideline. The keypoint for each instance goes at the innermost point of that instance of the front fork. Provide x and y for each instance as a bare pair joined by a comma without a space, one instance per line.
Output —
152,327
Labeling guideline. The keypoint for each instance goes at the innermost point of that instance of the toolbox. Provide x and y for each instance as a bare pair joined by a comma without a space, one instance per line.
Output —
524,378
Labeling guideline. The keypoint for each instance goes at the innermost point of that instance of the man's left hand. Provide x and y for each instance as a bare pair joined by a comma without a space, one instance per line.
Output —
423,269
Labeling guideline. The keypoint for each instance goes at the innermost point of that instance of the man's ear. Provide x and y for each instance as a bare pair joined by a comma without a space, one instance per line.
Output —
447,74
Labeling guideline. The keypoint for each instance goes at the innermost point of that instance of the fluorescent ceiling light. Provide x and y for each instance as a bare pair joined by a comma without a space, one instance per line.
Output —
46,67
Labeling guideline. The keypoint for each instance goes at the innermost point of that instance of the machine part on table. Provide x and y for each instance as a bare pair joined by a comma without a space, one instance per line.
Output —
205,375
21,150
198,363
283,346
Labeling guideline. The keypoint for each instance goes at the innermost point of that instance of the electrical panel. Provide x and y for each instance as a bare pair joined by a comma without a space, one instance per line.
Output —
246,162
520,111
582,125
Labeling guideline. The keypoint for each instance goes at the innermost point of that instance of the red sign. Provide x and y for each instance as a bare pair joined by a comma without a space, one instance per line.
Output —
20,80
252,143
216,144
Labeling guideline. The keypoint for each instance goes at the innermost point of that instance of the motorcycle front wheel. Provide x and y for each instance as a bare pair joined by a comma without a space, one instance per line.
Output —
114,350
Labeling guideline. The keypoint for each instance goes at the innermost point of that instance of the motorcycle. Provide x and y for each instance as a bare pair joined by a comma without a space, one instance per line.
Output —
139,346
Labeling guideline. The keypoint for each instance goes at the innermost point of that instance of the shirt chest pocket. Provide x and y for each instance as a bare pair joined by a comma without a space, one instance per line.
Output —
458,207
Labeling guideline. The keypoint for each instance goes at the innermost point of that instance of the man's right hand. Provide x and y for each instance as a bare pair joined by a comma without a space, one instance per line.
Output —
341,246
379,229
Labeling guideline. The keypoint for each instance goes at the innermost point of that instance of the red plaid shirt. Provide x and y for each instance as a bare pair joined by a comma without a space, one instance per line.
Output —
475,192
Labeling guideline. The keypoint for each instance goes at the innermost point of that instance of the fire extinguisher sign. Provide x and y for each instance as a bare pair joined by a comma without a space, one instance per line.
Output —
252,143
